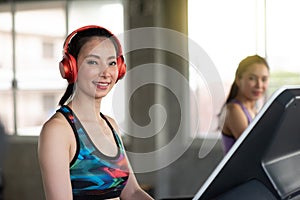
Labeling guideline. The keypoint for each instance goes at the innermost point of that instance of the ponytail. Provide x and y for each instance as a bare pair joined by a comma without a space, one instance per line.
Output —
233,92
67,95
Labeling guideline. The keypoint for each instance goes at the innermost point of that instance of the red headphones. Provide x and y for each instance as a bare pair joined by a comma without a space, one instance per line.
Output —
68,65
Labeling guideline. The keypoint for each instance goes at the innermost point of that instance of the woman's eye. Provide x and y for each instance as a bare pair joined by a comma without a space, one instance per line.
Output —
265,79
251,78
92,62
113,63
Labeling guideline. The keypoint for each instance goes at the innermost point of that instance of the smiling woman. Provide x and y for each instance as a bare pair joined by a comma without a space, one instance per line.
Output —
25,82
250,84
90,159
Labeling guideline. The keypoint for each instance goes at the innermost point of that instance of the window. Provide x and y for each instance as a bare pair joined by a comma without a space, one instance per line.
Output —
283,42
6,69
48,50
228,31
227,34
36,63
89,12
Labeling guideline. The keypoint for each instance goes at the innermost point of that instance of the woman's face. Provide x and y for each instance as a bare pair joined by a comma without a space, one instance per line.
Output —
254,81
97,67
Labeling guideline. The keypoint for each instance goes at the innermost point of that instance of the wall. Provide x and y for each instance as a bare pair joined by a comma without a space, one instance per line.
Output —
22,179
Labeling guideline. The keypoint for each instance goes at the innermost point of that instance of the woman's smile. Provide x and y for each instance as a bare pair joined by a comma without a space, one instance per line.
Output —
101,85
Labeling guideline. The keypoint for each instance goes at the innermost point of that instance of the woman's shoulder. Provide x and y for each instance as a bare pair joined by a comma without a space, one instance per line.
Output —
56,119
234,112
55,124
233,106
56,136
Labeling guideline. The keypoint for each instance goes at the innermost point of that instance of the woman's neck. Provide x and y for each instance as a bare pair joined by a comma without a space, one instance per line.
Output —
249,104
86,107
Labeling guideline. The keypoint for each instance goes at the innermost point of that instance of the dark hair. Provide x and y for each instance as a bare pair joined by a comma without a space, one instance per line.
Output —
76,43
242,68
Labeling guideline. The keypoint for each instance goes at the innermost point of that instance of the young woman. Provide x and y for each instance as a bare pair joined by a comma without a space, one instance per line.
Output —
80,151
250,84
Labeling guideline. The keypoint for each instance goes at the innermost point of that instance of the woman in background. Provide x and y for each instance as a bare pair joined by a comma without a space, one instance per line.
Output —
250,85
80,150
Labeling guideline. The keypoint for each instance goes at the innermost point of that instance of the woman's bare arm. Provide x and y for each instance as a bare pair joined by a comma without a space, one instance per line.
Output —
54,158
236,121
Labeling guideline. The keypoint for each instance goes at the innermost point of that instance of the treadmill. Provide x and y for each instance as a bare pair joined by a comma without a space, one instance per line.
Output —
264,163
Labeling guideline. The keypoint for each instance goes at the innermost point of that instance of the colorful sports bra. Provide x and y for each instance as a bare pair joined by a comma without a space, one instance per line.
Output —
228,141
93,174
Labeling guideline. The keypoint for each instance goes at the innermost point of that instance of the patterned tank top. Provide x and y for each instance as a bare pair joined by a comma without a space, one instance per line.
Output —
93,174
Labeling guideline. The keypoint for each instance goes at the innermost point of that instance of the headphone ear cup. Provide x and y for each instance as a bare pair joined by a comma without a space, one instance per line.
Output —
68,68
122,71
121,67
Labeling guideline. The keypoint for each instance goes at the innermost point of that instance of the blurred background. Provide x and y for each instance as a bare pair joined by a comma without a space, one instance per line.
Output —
31,40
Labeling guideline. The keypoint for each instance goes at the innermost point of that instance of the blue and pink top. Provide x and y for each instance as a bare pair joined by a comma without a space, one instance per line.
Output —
93,174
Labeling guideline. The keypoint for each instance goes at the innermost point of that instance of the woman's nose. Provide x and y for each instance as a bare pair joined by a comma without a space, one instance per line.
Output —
260,83
103,69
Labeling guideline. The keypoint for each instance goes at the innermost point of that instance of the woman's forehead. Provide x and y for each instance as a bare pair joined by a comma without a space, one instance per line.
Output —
257,68
99,44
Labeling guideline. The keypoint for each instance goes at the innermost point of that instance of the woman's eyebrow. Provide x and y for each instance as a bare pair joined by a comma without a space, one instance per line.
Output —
92,55
98,57
111,57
